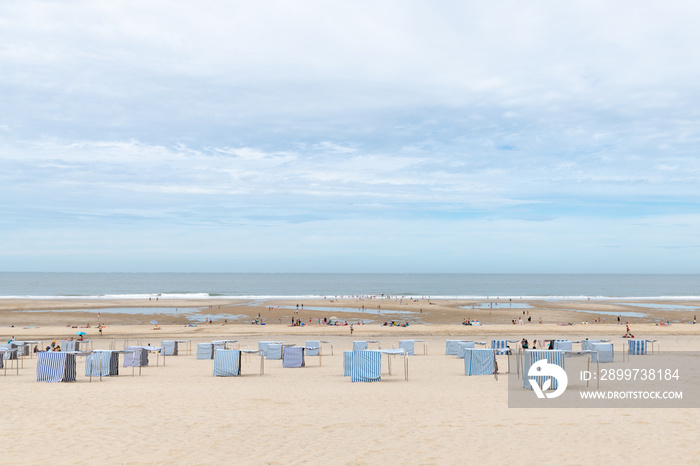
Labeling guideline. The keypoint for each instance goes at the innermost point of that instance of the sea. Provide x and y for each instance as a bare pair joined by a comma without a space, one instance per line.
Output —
264,286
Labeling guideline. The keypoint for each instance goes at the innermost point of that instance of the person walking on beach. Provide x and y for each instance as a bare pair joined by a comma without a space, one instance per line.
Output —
351,329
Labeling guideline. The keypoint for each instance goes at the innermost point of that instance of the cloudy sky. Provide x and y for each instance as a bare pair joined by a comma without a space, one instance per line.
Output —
364,136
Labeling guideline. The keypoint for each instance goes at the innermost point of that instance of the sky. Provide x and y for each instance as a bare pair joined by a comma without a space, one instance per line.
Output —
364,136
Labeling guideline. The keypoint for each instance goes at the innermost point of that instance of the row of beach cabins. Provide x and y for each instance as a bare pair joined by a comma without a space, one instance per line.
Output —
361,364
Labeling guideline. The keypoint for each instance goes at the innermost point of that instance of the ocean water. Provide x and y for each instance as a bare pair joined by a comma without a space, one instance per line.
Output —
284,285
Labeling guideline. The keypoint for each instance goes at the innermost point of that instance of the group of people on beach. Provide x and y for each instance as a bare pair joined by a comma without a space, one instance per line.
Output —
529,320
543,343
393,323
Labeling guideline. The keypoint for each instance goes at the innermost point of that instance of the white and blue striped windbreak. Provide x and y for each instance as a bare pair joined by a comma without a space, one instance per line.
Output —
263,345
293,356
563,345
10,352
217,345
347,363
464,346
359,345
409,346
168,348
98,363
114,363
366,366
274,351
69,345
552,357
479,361
452,347
602,352
55,366
22,348
586,344
501,346
314,347
637,347
81,345
205,351
227,363
138,358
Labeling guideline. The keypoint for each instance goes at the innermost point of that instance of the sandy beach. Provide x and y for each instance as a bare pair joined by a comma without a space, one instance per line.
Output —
180,413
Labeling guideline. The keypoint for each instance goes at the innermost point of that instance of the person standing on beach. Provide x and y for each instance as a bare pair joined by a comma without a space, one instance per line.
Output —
351,329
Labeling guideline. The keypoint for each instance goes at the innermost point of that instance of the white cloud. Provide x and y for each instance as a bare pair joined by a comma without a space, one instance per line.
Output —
230,113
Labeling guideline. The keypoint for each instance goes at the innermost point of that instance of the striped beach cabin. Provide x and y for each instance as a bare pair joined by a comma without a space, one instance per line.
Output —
563,345
637,347
102,363
366,366
205,351
452,347
227,363
136,356
501,346
9,351
55,366
465,345
293,356
533,356
586,345
602,352
169,348
274,351
313,347
264,346
410,346
480,361
347,363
